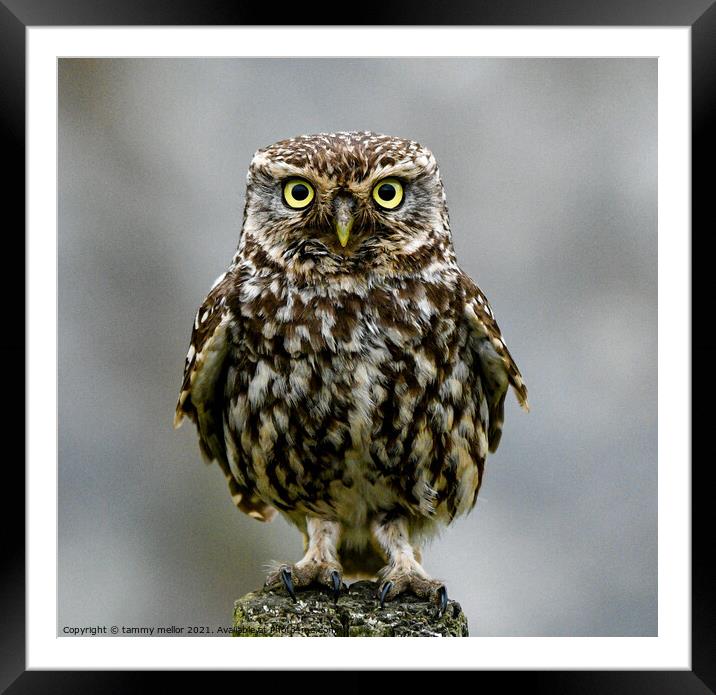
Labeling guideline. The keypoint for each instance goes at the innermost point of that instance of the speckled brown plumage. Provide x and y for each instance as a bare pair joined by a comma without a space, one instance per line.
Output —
356,388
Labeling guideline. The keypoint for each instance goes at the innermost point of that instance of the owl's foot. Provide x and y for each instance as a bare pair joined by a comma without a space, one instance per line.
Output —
396,582
302,575
318,566
404,571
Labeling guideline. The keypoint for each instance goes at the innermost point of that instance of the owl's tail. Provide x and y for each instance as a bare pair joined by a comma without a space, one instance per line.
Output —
361,562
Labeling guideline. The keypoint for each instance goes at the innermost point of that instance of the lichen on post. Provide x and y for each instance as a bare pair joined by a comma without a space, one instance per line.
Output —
357,613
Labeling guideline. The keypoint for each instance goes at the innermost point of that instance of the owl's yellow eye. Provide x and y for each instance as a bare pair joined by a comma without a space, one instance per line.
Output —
298,193
388,193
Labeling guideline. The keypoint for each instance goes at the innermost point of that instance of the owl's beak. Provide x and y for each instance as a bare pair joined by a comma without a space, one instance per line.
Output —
343,218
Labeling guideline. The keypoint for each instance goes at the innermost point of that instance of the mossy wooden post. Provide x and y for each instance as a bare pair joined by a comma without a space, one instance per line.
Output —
357,614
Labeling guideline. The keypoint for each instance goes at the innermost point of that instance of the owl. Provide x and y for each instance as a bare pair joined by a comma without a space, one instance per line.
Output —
344,372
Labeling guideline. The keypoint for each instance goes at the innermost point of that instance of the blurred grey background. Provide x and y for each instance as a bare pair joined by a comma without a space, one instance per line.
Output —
550,170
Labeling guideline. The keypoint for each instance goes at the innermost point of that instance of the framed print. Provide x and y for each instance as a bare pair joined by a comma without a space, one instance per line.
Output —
564,143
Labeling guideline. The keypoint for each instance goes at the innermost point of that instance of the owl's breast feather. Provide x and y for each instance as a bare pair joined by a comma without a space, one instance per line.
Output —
354,402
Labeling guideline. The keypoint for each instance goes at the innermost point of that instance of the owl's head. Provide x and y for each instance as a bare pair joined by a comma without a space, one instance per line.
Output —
345,203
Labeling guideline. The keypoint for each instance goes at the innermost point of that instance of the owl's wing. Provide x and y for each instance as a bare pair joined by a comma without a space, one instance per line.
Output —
497,366
202,393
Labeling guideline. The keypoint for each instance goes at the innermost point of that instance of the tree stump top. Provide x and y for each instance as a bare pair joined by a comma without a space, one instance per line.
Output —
267,613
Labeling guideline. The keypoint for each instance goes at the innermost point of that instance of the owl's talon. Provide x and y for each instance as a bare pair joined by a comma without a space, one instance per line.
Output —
384,592
288,583
442,602
337,585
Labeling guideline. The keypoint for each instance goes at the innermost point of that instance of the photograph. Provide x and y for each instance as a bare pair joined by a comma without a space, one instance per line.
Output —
357,346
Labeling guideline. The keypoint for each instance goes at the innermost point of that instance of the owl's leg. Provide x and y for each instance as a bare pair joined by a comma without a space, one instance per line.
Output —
318,566
404,571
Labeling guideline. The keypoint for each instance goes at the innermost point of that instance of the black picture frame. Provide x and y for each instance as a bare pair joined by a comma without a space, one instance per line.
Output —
16,15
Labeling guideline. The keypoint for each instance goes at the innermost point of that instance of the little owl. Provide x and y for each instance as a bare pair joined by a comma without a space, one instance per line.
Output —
345,371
